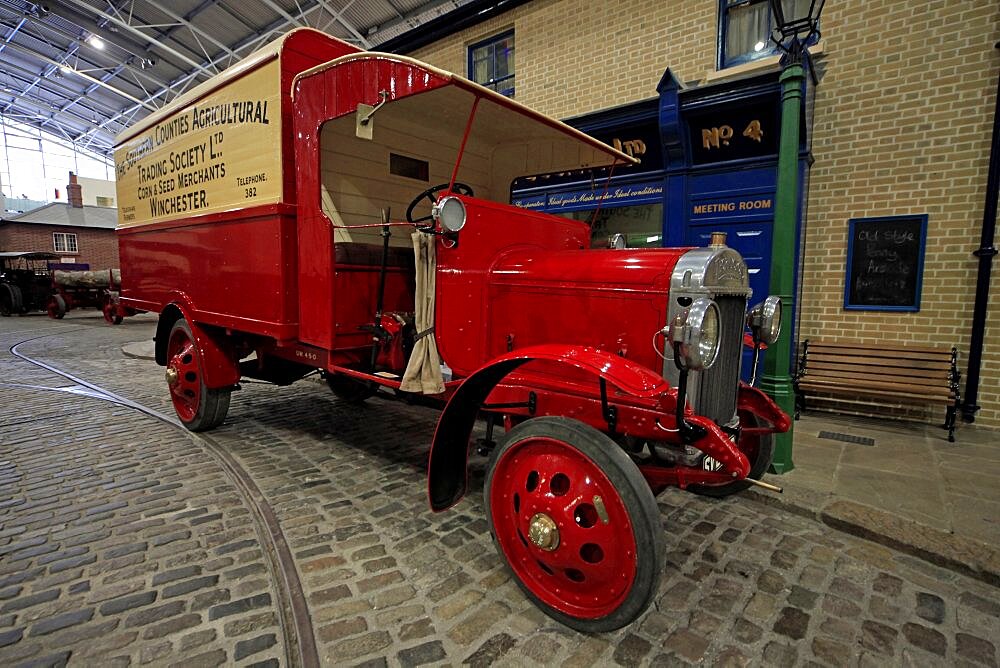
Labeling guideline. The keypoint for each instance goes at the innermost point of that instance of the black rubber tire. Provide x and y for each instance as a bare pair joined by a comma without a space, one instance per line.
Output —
636,496
349,390
10,300
56,307
758,467
214,403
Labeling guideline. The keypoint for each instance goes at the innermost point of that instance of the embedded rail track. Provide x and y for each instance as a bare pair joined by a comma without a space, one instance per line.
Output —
293,612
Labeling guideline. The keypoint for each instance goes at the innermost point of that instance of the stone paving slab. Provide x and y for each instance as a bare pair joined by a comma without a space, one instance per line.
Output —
386,581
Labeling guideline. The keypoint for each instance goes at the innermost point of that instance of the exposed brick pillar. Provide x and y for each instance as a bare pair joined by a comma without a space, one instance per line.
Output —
74,192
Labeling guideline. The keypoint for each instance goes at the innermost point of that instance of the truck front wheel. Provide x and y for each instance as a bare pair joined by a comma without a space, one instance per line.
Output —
199,408
759,449
576,523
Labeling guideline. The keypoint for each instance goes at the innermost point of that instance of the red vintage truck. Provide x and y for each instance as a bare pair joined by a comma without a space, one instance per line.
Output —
261,219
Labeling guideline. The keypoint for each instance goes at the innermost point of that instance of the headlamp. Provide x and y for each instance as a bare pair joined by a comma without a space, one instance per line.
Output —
450,213
695,335
764,320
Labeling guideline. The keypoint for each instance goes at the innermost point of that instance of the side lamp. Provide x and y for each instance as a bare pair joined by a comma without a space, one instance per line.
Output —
764,321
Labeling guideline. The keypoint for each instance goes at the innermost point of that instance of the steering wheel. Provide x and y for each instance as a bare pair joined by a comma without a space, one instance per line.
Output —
430,194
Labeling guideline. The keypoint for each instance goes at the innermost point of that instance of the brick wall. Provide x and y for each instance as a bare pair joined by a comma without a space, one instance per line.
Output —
902,126
96,247
577,56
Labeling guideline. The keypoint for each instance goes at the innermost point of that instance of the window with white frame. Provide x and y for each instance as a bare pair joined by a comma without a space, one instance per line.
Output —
64,242
745,29
491,63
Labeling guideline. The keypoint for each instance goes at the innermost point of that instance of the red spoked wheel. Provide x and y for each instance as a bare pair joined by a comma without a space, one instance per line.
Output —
759,450
199,408
576,523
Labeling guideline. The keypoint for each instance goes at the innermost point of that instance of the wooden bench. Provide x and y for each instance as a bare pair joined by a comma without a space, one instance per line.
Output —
892,372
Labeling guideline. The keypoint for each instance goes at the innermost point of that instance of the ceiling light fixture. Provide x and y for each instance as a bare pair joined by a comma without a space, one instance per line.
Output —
96,42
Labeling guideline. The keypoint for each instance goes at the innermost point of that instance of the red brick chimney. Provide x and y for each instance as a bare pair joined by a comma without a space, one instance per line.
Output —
74,192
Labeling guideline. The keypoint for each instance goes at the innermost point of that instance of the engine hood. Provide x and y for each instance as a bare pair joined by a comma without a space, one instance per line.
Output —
648,269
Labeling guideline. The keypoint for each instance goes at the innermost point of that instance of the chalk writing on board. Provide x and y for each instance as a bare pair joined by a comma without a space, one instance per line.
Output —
885,262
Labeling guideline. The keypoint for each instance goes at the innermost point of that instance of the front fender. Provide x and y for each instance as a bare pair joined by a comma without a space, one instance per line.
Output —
755,401
447,468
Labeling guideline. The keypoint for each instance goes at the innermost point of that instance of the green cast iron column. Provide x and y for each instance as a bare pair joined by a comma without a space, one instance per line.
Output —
777,381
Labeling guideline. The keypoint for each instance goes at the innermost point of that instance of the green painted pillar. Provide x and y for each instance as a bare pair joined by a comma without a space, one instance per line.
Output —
777,381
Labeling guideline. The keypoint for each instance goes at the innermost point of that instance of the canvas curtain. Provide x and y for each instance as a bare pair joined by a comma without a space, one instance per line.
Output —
423,372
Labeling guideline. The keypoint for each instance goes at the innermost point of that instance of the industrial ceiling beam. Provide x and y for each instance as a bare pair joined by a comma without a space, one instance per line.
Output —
52,83
132,30
42,110
289,19
83,75
163,7
88,25
90,89
407,17
42,25
13,32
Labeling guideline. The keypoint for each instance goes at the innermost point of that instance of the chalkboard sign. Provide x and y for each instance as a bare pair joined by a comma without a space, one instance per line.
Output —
885,263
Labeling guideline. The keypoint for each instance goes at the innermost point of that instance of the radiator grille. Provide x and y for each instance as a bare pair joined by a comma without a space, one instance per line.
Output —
718,386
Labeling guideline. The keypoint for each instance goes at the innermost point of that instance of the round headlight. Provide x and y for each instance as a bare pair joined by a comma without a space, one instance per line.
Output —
697,331
450,212
764,320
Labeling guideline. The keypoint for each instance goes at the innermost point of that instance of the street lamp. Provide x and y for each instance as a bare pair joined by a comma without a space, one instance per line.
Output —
792,31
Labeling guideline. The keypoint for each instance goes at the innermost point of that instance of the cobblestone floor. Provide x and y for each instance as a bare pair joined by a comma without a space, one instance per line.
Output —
125,541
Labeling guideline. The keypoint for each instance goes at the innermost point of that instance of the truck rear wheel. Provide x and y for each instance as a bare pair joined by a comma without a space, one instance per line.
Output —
576,523
199,408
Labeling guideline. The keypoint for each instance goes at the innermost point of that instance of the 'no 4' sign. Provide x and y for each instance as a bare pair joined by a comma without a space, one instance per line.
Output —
720,136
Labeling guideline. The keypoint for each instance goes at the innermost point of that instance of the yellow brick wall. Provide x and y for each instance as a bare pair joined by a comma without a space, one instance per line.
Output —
902,125
577,56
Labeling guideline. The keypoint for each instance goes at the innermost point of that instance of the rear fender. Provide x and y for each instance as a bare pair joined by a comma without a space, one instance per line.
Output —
219,364
754,401
447,469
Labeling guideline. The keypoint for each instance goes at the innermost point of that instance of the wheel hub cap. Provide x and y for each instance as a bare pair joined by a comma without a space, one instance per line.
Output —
543,532
172,376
